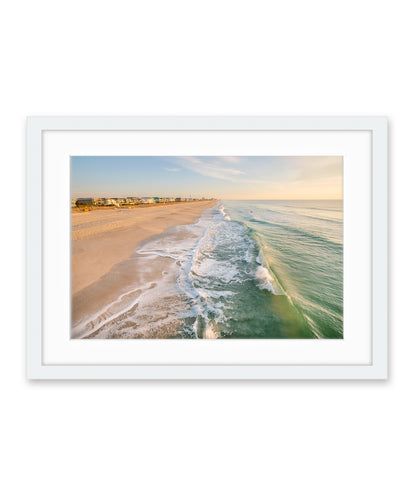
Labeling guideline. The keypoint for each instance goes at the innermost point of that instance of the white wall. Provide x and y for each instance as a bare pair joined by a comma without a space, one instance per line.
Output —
206,440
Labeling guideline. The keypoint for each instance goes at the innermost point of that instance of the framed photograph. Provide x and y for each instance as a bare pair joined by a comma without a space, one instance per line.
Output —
206,248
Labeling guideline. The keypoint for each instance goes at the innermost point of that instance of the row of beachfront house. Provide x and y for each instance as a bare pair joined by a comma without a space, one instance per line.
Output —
126,201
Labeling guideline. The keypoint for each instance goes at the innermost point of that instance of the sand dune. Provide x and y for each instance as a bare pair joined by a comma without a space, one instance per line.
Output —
105,237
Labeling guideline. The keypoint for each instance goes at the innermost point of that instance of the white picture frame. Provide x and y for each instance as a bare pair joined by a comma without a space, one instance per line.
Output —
37,186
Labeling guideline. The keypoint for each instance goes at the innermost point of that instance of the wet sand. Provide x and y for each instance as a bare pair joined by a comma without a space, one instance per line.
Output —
105,237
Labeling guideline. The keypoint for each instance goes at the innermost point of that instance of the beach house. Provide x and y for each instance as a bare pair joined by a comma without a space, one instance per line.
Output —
85,202
110,202
148,200
132,200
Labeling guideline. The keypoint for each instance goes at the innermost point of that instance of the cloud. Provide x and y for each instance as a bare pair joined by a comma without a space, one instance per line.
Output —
173,169
211,166
319,167
230,159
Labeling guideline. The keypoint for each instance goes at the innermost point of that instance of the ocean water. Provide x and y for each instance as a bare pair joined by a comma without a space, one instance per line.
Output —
300,244
245,269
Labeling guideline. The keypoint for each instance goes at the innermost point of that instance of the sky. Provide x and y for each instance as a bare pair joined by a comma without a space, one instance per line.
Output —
220,177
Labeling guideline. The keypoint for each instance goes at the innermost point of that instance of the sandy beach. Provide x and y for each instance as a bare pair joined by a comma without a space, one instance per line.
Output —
103,238
108,275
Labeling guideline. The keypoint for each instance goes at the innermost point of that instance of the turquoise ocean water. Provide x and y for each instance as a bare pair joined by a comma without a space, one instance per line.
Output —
300,246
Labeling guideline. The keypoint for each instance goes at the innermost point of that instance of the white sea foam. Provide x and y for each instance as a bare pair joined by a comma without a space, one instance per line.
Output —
266,280
222,210
209,268
248,257
206,294
204,276
107,314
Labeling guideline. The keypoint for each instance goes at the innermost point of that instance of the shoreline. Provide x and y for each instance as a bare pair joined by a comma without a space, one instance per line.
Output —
146,276
104,238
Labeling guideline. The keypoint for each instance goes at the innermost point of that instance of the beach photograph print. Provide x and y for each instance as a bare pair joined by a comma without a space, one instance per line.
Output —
207,247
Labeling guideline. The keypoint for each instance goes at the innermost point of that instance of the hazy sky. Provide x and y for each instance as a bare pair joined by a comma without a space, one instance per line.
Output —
222,177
